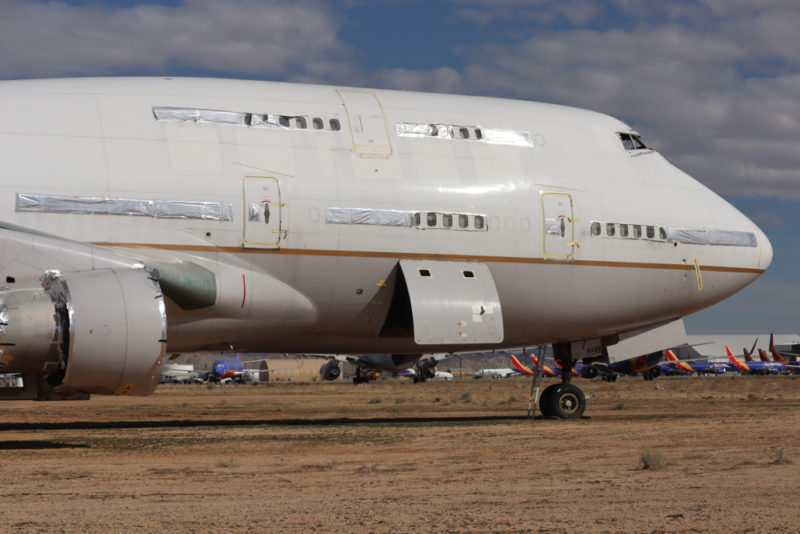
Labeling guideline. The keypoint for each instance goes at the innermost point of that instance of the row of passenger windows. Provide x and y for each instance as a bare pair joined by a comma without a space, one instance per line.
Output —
630,231
457,221
295,122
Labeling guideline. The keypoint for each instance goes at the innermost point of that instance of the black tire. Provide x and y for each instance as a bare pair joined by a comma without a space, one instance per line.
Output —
545,403
563,400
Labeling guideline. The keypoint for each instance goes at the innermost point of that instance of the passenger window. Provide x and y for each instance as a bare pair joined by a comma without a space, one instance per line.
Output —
464,133
595,228
447,220
651,232
610,229
463,221
479,222
431,218
318,124
300,122
637,231
478,134
623,230
335,125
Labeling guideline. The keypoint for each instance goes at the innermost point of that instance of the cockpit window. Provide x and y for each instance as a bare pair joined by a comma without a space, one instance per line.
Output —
631,141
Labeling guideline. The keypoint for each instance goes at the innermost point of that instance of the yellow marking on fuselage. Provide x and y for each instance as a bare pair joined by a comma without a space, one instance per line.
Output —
426,256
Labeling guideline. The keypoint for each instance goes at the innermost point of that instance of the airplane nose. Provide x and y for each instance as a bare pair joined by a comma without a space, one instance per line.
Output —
764,249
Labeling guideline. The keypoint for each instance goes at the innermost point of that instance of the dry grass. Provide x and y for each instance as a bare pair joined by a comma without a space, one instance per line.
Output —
460,455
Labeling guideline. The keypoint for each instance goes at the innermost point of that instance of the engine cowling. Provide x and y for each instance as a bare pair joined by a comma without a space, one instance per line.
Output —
101,331
330,370
589,371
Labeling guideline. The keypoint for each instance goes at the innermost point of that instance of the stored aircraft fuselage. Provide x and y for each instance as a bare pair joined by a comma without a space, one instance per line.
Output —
148,215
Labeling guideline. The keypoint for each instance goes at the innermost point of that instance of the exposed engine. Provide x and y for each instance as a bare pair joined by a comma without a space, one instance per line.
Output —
101,331
330,370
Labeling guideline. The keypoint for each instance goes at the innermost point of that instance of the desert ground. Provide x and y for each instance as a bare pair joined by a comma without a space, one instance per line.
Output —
392,456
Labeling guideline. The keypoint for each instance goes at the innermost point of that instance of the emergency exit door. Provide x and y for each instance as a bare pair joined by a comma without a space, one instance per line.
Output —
558,218
263,212
367,124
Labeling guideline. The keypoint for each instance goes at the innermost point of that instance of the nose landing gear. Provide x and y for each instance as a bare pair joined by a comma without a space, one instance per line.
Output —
563,400
566,401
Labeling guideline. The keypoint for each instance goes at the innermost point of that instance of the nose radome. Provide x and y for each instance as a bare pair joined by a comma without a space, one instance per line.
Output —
764,249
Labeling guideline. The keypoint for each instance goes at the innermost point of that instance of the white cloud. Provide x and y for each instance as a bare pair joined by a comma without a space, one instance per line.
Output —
246,37
712,84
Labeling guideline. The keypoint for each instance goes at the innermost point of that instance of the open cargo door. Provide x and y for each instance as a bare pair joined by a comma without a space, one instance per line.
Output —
453,302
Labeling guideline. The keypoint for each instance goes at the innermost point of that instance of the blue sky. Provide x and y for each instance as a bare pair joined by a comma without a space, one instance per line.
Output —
712,84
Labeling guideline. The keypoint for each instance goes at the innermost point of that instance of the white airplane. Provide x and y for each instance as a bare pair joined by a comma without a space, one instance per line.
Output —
139,216
495,373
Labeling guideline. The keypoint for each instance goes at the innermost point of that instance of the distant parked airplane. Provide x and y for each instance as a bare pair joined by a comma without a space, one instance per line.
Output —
755,367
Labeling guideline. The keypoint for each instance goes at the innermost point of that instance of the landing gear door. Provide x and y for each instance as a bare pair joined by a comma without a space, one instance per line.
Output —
558,242
263,212
453,302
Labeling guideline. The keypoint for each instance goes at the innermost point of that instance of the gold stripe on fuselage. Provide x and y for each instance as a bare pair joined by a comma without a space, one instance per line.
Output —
428,256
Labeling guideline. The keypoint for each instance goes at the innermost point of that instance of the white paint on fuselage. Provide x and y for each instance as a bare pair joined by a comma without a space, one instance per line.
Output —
99,137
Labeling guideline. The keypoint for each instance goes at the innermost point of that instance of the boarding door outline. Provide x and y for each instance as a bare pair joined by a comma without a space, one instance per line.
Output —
263,212
558,226
367,123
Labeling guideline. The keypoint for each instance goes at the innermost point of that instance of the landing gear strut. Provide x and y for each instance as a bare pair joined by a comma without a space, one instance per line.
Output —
359,377
563,400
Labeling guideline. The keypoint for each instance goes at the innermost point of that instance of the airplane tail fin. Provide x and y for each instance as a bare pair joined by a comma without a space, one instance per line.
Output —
519,366
739,364
775,354
546,370
683,366
763,355
748,354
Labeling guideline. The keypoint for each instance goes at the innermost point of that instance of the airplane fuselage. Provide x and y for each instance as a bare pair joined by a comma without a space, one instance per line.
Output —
301,218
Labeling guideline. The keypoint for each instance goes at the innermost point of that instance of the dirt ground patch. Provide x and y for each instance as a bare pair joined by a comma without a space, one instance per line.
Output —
397,457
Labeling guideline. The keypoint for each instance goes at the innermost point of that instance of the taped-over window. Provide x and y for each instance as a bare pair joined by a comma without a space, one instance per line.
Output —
162,209
368,216
240,118
712,237
201,115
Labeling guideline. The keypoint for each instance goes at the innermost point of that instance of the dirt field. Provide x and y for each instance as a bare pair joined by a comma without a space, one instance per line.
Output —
398,457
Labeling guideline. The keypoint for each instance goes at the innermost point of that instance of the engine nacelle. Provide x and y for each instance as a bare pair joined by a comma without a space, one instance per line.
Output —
101,331
589,371
330,370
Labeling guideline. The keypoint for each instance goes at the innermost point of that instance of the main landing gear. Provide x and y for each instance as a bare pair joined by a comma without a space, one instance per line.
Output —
360,377
563,400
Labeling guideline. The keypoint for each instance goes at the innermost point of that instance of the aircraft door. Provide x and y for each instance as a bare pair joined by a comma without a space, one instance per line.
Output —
263,212
558,242
453,302
367,124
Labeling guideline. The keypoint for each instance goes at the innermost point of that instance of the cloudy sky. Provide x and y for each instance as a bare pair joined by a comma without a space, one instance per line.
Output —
714,85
